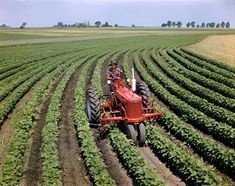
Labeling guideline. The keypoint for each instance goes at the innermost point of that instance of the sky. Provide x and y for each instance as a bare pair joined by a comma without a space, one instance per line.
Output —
40,13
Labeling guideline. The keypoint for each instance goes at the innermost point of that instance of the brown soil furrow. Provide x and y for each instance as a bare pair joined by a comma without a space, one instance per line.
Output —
114,166
72,165
7,128
33,169
161,169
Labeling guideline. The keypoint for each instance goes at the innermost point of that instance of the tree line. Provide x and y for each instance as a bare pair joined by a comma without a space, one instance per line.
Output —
85,24
193,24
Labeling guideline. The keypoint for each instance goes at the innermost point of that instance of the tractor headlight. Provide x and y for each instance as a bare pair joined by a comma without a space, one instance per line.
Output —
128,80
108,82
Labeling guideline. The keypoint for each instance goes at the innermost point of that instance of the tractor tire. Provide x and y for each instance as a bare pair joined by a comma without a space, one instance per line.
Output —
143,91
131,133
141,134
93,108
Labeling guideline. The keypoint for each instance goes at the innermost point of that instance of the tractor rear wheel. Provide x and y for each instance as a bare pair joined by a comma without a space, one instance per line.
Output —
141,134
93,109
143,91
131,133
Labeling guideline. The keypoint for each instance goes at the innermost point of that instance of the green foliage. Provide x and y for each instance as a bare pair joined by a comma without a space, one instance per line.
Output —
192,170
214,85
50,153
208,70
210,60
198,84
92,156
12,168
218,130
218,113
222,157
136,165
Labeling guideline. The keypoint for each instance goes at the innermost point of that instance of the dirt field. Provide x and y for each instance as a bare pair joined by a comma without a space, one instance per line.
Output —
220,47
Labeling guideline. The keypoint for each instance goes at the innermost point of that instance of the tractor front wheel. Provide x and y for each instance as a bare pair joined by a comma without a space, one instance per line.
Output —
93,109
131,133
141,134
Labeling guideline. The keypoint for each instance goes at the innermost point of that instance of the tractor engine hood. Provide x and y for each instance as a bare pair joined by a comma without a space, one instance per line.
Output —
132,103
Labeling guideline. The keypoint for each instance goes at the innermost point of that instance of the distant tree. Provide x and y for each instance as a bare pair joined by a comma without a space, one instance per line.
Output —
193,24
207,25
116,25
179,24
222,24
203,25
164,25
60,24
23,25
97,23
169,23
106,24
227,25
212,25
217,25
82,25
132,25
188,24
3,26
198,26
173,24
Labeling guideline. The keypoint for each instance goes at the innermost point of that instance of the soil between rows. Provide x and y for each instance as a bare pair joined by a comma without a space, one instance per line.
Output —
32,174
72,165
7,128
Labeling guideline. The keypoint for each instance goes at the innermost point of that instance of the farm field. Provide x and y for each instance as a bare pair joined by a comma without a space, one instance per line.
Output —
45,137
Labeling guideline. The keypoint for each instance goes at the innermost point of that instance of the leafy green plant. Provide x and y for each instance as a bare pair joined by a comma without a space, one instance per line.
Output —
218,113
92,156
210,60
12,168
218,130
214,85
208,70
199,83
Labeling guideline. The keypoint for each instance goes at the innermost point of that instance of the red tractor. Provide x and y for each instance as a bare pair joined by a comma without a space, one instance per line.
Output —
129,105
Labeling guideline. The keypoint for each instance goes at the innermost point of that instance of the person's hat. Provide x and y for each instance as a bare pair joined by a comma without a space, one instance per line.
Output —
113,63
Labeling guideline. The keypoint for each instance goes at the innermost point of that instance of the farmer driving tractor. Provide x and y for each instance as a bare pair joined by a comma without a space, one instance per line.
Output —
113,74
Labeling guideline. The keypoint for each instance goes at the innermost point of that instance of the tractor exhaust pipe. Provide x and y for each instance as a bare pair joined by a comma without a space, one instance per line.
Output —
133,80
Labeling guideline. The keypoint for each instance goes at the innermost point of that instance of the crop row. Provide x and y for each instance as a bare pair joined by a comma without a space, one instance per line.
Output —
92,156
208,70
125,148
218,155
210,60
189,168
214,85
195,77
12,168
211,151
50,153
218,130
9,84
216,112
32,57
8,104
136,165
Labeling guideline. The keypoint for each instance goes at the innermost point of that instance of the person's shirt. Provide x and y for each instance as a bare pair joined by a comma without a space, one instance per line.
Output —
114,73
